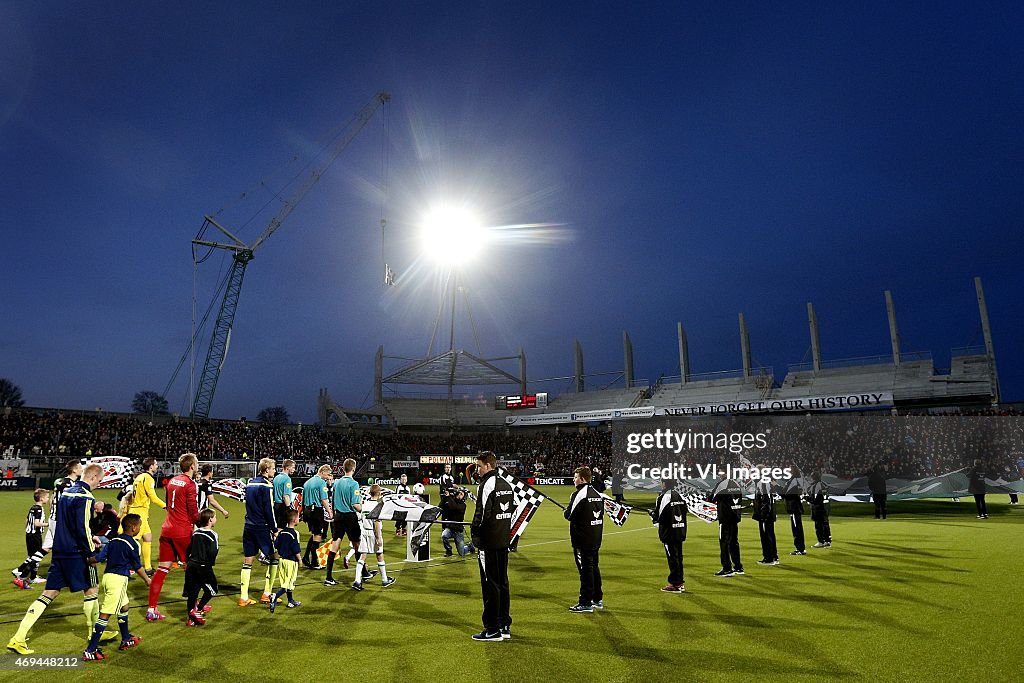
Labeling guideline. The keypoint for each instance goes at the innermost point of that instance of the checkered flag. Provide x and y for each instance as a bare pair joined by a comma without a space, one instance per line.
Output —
527,499
617,512
118,471
697,503
229,488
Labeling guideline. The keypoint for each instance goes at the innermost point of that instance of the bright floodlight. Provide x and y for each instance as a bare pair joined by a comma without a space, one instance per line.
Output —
452,236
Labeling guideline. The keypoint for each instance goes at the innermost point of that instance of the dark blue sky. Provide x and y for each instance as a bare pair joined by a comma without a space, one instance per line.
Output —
706,158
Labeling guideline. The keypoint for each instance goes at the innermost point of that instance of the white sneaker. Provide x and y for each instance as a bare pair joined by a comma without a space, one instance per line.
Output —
39,579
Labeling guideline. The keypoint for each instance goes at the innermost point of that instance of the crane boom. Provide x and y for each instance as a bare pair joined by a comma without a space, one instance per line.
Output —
243,254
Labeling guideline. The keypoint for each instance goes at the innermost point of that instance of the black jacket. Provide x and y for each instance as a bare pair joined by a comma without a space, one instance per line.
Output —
453,510
876,482
585,513
818,495
670,515
728,508
794,506
977,477
492,521
764,503
202,551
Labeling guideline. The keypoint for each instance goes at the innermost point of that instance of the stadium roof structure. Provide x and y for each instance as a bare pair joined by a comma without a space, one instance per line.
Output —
455,367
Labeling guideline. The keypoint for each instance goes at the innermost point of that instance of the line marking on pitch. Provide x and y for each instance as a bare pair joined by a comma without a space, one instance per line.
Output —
417,565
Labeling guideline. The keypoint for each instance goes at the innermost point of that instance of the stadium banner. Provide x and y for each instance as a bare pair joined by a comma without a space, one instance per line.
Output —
853,456
404,464
581,416
508,464
549,481
464,459
19,467
435,460
17,483
799,404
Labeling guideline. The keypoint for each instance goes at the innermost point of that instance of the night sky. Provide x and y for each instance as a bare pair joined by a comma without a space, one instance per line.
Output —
696,160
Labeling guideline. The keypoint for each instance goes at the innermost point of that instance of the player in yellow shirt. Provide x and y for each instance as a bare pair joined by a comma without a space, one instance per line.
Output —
143,494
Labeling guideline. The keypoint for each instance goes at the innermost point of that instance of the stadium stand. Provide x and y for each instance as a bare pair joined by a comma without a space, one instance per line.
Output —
602,399
714,387
911,381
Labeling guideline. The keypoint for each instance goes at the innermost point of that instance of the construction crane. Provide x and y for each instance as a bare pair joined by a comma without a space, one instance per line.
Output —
242,254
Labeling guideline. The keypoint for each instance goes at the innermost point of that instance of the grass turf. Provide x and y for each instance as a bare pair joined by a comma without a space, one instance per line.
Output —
932,593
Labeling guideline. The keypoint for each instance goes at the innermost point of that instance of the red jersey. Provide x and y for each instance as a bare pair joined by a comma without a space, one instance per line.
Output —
182,507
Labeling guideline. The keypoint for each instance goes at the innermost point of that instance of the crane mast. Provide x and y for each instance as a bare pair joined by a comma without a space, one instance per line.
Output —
220,339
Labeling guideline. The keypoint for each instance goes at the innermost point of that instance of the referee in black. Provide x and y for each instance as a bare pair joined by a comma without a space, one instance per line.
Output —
585,513
490,529
669,514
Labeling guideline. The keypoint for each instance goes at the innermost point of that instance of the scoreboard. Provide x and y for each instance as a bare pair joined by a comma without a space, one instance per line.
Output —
518,401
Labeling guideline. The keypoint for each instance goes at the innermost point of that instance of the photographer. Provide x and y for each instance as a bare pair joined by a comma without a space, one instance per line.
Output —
453,509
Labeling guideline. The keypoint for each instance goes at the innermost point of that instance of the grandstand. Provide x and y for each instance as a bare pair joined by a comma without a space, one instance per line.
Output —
968,380
601,399
713,387
903,380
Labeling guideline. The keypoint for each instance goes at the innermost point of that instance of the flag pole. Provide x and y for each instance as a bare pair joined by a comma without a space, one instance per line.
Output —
509,474
512,476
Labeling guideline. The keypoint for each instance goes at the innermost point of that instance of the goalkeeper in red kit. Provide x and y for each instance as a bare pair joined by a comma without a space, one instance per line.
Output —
176,532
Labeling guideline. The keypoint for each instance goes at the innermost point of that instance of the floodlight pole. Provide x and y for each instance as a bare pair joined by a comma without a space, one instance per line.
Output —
455,288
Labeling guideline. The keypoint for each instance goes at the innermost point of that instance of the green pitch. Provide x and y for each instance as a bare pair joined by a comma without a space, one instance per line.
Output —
930,594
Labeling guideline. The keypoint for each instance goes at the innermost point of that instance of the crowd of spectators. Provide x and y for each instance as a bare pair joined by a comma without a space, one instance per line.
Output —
52,437
845,445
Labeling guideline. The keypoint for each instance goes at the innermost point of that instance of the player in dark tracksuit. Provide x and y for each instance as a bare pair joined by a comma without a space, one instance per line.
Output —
585,513
729,507
795,510
669,514
764,514
490,531
818,494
